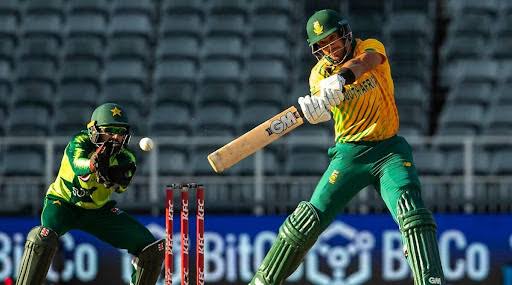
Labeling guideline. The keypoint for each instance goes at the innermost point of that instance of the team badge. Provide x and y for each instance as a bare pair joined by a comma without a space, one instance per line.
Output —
334,176
44,232
57,202
318,28
116,112
407,164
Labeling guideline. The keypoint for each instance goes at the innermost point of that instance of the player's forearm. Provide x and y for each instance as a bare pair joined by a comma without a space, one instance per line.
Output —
363,63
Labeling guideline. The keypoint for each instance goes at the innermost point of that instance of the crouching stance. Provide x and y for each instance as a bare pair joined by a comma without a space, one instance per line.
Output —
96,163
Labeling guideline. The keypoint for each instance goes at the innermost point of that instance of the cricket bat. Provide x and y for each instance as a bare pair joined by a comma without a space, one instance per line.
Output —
255,139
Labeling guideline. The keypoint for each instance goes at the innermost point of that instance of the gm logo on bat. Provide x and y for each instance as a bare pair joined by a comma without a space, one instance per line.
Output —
280,125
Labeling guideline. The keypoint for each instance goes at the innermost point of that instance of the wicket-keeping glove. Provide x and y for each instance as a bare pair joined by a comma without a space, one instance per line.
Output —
314,110
99,163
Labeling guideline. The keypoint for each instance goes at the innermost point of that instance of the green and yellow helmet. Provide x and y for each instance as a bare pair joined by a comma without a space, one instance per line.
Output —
322,24
109,122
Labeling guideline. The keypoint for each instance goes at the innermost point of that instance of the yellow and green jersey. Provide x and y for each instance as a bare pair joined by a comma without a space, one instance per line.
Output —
368,111
76,184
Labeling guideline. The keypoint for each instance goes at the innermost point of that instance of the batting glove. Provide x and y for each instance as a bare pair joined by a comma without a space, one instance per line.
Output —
331,90
314,110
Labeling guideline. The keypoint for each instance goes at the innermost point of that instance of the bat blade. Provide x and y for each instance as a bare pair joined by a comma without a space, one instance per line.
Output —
255,139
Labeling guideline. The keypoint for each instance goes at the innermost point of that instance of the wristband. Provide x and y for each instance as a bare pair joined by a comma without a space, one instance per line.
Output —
348,75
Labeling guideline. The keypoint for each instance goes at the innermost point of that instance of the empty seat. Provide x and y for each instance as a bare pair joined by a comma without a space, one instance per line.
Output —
5,76
42,25
233,25
471,93
499,117
228,7
131,25
412,117
83,48
184,7
39,48
256,113
215,116
145,8
367,25
470,26
410,24
36,71
23,163
179,25
406,48
367,6
37,124
87,26
311,162
410,71
172,161
169,120
450,130
124,94
455,162
411,93
70,119
33,93
219,92
224,46
128,48
78,93
473,7
270,48
178,47
10,8
500,164
487,71
462,115
429,161
504,94
222,71
126,71
177,93
457,48
284,7
271,25
502,48
80,71
504,27
8,28
199,162
271,164
265,92
267,71
174,71
421,6
99,7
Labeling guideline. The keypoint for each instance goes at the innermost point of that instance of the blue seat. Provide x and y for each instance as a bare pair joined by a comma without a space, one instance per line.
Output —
471,93
311,162
10,8
504,96
128,48
471,26
78,93
184,7
284,7
256,113
23,163
179,25
467,115
44,7
70,119
127,25
271,164
487,71
224,46
33,93
412,117
270,48
228,7
124,94
36,71
225,93
367,6
473,7
271,25
367,25
98,7
410,71
216,115
39,48
411,93
222,71
265,92
49,26
126,71
169,119
410,24
172,162
463,47
267,71
199,163
422,6
501,48
176,71
504,27
177,93
81,71
37,124
138,7
5,76
500,163
87,25
429,161
178,47
455,162
83,48
499,117
231,24
9,29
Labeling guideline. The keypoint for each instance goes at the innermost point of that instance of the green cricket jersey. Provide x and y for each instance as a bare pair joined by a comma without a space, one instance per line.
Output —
76,184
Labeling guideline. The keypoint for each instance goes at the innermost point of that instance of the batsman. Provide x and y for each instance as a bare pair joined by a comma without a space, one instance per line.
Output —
96,163
352,84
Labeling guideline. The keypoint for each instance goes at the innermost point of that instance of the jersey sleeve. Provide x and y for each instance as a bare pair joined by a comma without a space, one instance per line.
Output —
373,45
78,150
316,75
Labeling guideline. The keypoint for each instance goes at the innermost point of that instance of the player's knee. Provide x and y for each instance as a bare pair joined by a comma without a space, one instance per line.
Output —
303,223
412,211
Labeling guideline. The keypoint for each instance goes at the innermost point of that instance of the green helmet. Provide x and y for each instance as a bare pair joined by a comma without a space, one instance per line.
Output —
324,23
107,120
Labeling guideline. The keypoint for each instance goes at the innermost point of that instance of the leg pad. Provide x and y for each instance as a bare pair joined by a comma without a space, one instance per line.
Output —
149,263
